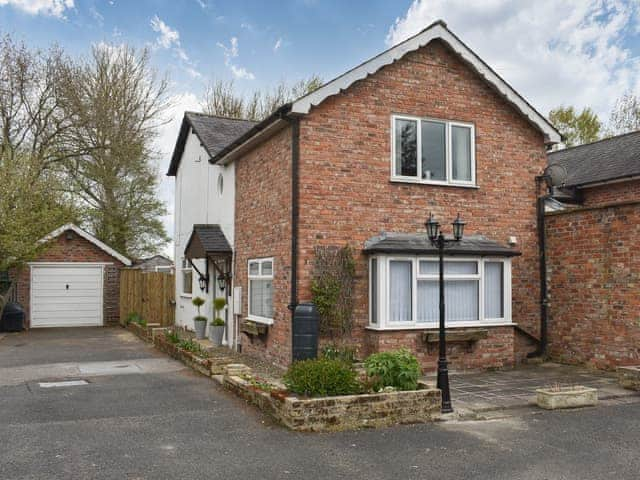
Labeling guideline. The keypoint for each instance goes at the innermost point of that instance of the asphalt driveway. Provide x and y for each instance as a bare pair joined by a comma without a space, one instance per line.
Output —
167,422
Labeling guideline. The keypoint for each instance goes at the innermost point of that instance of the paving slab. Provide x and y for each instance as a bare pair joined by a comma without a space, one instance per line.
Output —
516,388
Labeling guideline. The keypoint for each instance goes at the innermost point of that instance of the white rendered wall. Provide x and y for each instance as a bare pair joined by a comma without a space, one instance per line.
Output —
198,201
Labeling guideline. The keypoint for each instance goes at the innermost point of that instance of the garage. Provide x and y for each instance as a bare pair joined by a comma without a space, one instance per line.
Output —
66,295
74,282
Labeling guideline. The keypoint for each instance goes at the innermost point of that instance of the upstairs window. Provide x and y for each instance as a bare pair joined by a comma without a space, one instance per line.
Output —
433,151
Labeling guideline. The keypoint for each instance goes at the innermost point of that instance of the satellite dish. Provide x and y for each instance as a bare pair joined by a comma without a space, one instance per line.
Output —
555,175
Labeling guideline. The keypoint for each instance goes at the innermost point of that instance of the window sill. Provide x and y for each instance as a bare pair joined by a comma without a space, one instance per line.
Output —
434,326
263,321
432,183
186,295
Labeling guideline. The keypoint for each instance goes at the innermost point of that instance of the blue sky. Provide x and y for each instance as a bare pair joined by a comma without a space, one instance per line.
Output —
554,52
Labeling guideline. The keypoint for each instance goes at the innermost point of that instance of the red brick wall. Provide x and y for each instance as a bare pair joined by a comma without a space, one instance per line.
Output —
78,250
495,351
263,229
611,193
346,194
594,284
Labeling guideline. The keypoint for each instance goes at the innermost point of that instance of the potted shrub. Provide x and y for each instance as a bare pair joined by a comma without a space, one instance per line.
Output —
217,325
199,321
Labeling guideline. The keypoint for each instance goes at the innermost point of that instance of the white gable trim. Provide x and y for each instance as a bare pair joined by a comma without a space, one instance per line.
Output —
439,31
87,236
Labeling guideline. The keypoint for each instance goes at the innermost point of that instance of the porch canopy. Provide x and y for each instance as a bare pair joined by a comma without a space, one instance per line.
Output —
208,242
419,244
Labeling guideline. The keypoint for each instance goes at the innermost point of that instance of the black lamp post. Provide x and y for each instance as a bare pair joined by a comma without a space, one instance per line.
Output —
437,239
222,281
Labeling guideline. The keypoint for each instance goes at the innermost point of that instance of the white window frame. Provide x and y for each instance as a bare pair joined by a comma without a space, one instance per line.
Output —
449,181
383,288
260,276
186,266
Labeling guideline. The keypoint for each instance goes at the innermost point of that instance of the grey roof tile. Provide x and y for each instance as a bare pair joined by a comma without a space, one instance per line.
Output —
609,159
419,244
214,133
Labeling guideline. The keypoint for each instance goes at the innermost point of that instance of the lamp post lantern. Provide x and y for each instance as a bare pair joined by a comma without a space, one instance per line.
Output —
439,241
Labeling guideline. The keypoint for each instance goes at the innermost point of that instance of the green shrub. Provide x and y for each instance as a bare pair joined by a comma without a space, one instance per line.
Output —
398,368
192,346
345,353
218,322
172,336
133,317
321,377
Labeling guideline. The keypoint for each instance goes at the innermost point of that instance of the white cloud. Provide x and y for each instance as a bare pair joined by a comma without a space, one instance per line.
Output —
202,4
552,52
277,45
168,36
230,53
53,8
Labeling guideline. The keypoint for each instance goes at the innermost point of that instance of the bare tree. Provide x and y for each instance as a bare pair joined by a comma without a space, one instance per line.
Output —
221,98
116,102
32,121
625,116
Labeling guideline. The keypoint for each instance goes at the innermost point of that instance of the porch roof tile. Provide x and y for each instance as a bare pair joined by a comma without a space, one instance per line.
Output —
419,244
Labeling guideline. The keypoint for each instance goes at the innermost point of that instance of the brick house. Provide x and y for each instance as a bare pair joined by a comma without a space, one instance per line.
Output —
425,126
593,255
75,281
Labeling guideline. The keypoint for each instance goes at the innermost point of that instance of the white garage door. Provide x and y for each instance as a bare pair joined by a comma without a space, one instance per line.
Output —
66,295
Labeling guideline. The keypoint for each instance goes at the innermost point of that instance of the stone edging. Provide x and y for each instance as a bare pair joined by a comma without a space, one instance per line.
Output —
320,414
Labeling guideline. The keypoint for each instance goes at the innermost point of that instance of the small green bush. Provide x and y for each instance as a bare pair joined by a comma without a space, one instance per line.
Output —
218,322
172,336
133,317
321,377
192,346
398,368
344,353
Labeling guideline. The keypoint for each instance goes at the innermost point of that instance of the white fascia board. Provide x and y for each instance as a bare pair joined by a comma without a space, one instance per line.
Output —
87,236
437,31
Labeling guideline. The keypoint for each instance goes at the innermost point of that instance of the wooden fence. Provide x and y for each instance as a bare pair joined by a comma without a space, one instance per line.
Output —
149,294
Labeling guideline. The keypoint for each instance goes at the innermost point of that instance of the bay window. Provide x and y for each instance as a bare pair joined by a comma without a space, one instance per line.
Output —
260,293
433,151
404,291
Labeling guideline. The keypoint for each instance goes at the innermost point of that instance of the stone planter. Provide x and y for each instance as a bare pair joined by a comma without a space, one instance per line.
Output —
200,327
629,377
216,333
566,397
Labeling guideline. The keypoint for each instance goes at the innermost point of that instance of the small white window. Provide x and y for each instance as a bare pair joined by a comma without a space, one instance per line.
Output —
261,290
220,184
187,278
433,151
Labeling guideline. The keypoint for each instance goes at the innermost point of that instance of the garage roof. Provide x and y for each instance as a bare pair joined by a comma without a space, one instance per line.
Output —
87,236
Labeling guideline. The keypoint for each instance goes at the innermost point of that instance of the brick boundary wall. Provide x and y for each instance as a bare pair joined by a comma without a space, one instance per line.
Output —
593,259
77,249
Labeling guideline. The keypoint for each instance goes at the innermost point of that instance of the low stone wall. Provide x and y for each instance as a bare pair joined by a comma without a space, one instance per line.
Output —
629,377
306,414
344,412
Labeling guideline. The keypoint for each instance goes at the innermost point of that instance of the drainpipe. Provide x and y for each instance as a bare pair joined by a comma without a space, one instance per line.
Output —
544,304
295,210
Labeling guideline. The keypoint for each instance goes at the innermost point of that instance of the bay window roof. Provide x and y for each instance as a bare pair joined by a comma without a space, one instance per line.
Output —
419,244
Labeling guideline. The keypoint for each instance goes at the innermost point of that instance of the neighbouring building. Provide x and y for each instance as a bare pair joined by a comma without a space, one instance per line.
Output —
426,126
593,255
157,263
74,282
